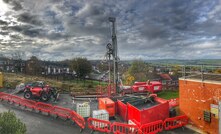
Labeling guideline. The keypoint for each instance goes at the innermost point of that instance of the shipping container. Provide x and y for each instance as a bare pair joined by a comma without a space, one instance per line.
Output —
141,113
122,110
108,105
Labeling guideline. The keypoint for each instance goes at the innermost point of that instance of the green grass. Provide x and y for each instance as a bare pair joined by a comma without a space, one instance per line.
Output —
87,83
168,94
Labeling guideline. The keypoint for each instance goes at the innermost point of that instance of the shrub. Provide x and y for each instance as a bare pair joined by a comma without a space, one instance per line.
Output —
9,124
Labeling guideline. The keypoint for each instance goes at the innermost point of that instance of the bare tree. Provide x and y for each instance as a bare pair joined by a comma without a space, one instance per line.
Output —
33,66
17,58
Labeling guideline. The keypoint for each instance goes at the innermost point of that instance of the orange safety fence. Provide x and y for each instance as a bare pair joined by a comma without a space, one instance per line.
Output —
16,99
78,119
121,128
99,125
152,128
43,107
4,96
47,108
62,112
28,103
175,122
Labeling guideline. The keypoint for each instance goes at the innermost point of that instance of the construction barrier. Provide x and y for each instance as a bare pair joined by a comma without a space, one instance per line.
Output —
4,96
99,125
43,107
46,108
175,122
28,103
78,119
62,112
121,128
16,99
152,128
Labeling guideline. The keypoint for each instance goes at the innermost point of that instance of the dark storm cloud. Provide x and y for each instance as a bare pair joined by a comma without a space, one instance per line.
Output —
31,31
163,18
145,28
15,3
16,37
3,33
3,22
29,18
27,30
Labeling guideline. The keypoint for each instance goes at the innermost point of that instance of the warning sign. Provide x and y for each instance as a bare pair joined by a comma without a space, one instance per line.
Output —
214,110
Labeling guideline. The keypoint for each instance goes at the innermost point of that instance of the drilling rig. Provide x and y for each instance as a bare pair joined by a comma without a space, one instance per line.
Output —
112,50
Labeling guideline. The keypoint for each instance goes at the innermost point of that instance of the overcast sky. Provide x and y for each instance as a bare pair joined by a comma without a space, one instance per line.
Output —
146,29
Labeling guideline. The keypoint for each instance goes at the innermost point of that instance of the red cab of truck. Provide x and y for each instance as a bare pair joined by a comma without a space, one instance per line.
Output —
108,105
149,86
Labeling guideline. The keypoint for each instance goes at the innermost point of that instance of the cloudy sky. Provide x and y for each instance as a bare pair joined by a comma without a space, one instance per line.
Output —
146,29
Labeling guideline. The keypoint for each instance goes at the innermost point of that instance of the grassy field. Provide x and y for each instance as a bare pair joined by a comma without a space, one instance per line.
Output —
168,94
12,79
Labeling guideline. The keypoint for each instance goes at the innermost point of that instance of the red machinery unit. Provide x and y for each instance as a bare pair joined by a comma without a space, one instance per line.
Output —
140,116
143,116
152,86
108,105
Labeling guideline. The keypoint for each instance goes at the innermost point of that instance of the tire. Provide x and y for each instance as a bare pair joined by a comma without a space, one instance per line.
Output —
28,95
44,96
50,92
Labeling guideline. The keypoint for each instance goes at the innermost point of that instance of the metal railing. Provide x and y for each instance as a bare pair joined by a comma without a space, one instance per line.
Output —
201,72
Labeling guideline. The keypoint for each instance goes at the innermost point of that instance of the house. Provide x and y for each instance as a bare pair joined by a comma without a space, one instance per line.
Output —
165,77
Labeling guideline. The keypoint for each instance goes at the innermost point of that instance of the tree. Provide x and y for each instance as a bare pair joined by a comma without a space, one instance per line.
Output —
81,66
18,62
139,70
33,66
9,124
217,71
129,80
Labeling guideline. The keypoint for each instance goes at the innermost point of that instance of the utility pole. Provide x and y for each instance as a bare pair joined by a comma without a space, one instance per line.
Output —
115,56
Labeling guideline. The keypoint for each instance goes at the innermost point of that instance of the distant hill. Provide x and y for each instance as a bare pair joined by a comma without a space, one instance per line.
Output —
186,62
174,61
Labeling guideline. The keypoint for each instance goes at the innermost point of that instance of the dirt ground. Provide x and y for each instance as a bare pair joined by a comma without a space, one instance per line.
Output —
37,123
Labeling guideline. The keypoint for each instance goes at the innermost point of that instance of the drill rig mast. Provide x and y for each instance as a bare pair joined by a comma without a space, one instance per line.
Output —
115,52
